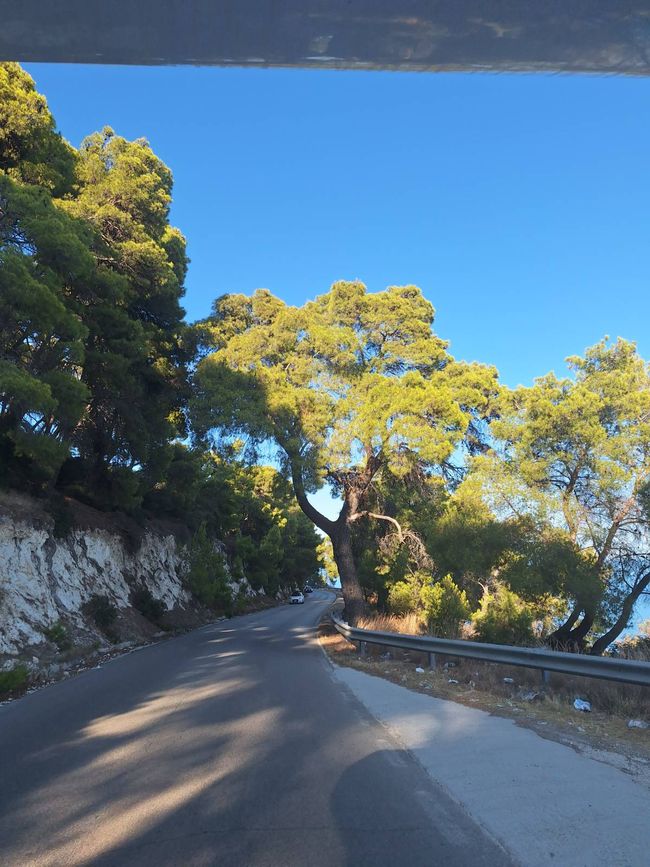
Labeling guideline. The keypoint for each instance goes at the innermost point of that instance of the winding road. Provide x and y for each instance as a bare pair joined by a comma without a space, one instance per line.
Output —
231,745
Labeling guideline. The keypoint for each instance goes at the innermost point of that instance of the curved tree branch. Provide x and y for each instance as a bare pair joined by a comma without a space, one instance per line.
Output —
394,521
323,523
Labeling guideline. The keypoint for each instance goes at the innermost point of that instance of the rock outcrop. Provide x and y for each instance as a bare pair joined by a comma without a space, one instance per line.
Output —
47,580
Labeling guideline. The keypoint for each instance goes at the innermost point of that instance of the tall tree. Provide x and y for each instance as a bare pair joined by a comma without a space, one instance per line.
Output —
576,451
136,358
347,386
45,261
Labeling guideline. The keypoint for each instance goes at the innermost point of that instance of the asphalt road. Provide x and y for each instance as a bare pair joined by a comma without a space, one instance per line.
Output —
232,745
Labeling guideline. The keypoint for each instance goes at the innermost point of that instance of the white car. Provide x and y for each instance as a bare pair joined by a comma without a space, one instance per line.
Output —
297,598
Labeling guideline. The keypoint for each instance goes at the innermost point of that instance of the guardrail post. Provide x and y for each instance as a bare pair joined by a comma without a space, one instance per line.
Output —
363,648
546,676
433,663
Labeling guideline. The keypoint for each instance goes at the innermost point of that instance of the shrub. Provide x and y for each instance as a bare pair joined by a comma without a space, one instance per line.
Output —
59,635
404,596
445,607
400,598
62,516
14,679
145,602
503,618
104,614
207,576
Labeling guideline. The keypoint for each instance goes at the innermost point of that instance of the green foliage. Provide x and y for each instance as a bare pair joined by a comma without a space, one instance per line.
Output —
467,542
350,367
348,387
60,510
541,562
207,576
30,149
503,618
402,597
43,259
59,635
325,555
446,607
14,679
136,359
251,509
573,455
104,613
145,602
93,349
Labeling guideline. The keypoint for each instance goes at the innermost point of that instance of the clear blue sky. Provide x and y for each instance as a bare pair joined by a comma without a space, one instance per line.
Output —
520,204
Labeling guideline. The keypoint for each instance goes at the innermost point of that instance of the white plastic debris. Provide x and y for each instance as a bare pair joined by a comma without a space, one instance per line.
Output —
451,680
419,670
581,704
508,680
638,724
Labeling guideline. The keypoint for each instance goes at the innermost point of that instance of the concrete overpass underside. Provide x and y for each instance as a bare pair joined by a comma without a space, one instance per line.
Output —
610,36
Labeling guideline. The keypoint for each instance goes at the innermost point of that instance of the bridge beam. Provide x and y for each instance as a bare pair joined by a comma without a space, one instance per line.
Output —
501,35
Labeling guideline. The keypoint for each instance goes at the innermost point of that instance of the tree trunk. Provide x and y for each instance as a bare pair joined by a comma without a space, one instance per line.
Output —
601,644
339,533
355,604
578,635
559,640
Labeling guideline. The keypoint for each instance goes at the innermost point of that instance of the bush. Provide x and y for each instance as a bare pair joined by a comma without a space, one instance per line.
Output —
503,618
445,607
62,516
59,635
207,576
404,596
103,613
145,602
400,598
14,679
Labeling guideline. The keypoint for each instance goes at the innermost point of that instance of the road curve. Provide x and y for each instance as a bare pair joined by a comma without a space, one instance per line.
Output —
231,745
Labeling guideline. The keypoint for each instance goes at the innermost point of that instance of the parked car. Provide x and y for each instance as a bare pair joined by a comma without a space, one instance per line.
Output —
297,598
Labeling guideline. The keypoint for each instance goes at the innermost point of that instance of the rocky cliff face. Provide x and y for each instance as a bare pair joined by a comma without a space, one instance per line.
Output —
45,580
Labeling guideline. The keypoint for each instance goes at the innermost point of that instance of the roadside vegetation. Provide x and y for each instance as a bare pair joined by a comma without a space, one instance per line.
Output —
14,680
96,360
524,512
467,508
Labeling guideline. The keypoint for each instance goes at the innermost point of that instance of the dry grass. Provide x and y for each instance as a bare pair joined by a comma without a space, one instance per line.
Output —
407,624
481,685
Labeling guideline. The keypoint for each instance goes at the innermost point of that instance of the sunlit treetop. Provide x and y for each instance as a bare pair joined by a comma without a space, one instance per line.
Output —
587,436
349,376
31,151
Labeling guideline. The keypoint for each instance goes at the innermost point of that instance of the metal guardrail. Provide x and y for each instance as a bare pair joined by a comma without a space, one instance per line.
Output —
583,665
